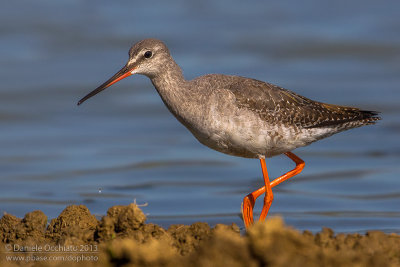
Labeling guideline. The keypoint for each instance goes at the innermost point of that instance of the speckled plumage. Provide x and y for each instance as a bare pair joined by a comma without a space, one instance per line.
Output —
239,116
236,115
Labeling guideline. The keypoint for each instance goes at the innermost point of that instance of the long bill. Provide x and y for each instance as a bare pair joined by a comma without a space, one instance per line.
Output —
121,74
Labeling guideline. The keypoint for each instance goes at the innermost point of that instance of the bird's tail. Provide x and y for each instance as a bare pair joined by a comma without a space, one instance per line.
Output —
348,117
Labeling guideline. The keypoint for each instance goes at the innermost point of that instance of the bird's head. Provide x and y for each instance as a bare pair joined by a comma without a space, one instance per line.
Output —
147,57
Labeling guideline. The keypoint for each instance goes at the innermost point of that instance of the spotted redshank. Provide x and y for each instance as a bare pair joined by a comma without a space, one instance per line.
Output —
239,116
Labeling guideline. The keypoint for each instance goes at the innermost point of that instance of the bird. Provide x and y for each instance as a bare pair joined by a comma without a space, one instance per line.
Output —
239,116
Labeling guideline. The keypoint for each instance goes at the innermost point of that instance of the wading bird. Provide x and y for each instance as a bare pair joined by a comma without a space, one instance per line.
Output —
239,116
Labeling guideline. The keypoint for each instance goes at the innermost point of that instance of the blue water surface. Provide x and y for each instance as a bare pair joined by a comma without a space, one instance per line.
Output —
124,144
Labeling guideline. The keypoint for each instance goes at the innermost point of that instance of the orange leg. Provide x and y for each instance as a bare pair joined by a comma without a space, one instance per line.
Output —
250,199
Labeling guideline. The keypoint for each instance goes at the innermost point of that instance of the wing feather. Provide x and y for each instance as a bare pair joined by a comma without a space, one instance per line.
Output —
276,104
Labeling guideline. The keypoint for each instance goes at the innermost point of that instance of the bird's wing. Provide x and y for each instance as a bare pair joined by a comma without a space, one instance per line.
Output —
276,104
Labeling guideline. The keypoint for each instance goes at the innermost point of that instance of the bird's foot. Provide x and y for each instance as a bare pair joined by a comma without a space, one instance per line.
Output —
247,210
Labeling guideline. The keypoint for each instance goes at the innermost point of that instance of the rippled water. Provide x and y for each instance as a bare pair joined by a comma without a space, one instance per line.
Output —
124,144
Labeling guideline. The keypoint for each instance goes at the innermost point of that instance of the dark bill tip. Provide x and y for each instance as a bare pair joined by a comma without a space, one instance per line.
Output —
123,73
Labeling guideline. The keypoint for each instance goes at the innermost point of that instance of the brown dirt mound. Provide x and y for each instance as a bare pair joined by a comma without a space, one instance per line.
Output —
122,238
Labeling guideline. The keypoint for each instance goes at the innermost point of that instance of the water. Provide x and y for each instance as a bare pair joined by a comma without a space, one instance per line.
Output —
124,145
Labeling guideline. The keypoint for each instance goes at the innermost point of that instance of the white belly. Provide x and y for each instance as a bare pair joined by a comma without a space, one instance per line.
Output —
241,132
236,132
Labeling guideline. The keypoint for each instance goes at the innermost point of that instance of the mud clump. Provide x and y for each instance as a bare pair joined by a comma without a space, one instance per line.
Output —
75,225
31,228
123,238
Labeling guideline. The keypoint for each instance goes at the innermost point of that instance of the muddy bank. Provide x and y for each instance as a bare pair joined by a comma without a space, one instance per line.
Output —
122,238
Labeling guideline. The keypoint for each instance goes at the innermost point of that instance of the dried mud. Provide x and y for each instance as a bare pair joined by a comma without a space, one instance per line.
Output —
122,238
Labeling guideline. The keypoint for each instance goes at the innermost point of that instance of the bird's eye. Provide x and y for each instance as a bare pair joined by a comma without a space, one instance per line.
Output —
148,54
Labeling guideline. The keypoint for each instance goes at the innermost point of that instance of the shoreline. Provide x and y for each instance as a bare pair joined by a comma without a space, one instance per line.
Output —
123,238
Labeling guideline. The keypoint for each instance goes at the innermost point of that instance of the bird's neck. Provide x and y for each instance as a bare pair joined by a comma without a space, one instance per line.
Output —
173,89
170,83
169,77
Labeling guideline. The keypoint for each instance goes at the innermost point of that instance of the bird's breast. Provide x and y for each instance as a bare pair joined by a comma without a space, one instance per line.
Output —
221,125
